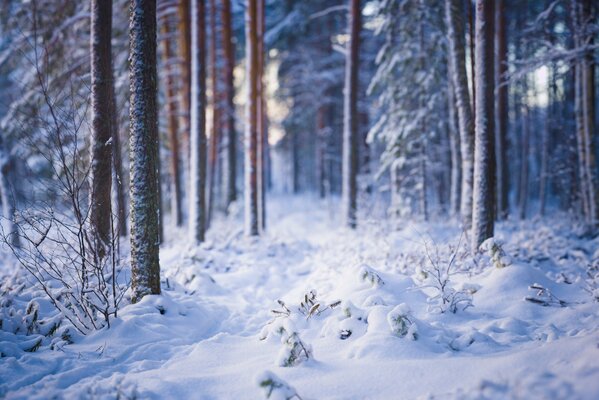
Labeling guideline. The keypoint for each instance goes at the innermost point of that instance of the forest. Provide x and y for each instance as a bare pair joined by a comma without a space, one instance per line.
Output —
299,199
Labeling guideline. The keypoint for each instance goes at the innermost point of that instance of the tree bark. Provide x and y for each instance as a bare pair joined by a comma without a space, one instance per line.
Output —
102,112
350,117
261,118
117,169
185,92
523,192
216,113
173,128
457,59
251,133
501,112
454,147
229,107
8,195
143,145
484,152
197,197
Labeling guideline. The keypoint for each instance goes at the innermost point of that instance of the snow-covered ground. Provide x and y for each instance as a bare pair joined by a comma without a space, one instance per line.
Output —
360,317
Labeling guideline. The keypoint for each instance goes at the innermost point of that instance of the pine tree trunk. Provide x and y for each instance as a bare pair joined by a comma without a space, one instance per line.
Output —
501,112
523,192
350,117
229,107
184,47
143,145
216,111
261,118
587,66
197,192
454,147
173,128
117,169
483,198
8,195
457,58
251,133
101,149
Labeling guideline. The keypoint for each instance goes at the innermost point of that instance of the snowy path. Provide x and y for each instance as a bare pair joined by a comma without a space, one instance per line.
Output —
205,344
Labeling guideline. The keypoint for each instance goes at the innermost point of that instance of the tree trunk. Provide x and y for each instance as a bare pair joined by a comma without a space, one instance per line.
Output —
117,169
229,107
251,133
145,267
101,149
454,147
8,195
173,128
185,92
197,192
457,58
587,77
216,110
261,118
523,192
350,117
501,112
483,198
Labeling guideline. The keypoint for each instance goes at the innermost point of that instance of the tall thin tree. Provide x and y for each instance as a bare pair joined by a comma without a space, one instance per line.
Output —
102,112
251,130
143,146
229,135
483,198
501,110
457,59
197,198
350,117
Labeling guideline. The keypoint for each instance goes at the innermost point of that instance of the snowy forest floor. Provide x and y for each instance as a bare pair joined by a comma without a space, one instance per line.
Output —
386,339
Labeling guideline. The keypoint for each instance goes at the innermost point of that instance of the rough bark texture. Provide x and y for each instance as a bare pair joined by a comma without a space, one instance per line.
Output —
484,150
101,149
173,128
197,196
350,117
457,59
251,130
230,137
501,112
143,147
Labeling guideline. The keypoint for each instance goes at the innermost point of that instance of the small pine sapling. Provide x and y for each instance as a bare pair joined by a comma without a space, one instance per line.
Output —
402,323
274,388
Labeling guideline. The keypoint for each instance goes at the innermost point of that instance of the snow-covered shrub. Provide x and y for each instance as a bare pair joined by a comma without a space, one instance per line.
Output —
369,275
275,388
295,351
436,275
494,249
544,297
402,323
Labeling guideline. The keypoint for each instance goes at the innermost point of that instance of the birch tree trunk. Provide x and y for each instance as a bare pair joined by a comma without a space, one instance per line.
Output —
501,112
350,117
197,192
457,59
102,116
143,145
230,175
484,150
251,132
173,127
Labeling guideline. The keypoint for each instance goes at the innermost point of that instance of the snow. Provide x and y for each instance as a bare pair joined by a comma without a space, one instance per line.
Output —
212,334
